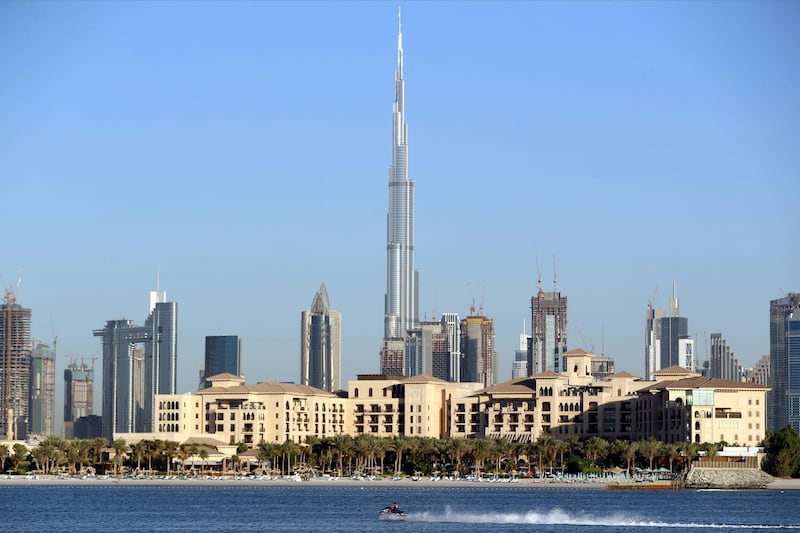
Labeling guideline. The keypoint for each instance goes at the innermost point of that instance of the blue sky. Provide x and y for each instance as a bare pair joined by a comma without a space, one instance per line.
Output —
243,149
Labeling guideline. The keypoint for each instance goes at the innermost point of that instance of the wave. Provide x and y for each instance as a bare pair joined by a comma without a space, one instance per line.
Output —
559,517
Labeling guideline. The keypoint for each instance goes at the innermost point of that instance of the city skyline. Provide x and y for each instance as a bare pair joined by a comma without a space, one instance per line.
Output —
669,147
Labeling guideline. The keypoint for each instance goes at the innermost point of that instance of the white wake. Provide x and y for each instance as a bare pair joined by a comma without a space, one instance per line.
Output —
560,517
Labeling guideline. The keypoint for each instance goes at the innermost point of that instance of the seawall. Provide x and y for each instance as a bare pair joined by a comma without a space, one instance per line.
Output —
727,478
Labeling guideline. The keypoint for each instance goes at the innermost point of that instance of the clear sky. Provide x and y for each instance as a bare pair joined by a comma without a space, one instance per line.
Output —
243,150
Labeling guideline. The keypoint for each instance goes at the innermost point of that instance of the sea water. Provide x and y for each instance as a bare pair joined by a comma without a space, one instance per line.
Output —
311,508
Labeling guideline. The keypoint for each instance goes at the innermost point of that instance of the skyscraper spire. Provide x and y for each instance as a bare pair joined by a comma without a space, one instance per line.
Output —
402,286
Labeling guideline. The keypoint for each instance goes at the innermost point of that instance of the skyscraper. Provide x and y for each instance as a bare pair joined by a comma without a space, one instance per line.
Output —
321,344
675,340
15,368
78,391
652,338
132,376
784,358
42,403
401,302
427,350
478,358
223,354
453,325
519,368
548,330
723,363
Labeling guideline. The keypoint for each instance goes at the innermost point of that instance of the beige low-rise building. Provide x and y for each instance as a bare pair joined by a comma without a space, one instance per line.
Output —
689,407
679,406
561,405
231,412
418,406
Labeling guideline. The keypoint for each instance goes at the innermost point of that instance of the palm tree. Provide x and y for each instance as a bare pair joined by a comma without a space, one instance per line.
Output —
3,456
203,454
595,447
341,444
139,451
459,448
649,448
183,455
170,449
688,452
547,448
479,452
672,452
501,449
119,454
40,457
20,454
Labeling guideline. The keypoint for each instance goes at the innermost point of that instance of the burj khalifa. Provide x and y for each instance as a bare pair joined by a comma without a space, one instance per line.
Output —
402,280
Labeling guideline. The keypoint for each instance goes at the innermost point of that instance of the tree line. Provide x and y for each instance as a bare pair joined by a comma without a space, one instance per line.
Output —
344,455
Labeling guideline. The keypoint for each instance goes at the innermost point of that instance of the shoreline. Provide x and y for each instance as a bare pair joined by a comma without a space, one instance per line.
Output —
231,481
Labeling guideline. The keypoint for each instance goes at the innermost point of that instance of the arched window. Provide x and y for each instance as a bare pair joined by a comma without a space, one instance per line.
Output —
697,438
356,392
697,426
370,392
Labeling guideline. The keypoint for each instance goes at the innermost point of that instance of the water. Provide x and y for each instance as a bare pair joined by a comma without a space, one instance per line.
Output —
317,508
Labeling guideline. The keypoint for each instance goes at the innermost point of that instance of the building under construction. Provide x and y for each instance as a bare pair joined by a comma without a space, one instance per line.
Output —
78,394
15,367
549,331
42,403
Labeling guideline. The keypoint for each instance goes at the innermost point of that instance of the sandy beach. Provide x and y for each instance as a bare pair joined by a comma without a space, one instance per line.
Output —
406,483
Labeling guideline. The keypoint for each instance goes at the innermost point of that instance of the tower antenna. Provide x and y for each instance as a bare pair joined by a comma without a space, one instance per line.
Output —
602,339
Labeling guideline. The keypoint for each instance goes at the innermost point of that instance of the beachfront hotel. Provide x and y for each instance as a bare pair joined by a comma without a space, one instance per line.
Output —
680,406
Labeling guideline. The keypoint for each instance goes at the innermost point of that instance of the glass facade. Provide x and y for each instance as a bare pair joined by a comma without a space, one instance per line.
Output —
223,355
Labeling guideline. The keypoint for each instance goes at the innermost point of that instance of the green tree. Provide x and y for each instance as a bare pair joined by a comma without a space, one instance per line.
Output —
783,453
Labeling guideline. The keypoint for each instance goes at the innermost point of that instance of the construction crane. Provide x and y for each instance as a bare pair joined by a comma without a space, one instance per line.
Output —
651,303
55,337
13,290
585,344
539,273
555,276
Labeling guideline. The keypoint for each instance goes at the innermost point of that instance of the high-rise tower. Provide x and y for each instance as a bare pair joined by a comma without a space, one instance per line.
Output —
402,280
223,354
548,329
132,376
784,360
321,344
15,349
78,391
676,346
42,400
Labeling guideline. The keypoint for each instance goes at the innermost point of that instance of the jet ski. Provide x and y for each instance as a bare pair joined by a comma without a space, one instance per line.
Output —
391,513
